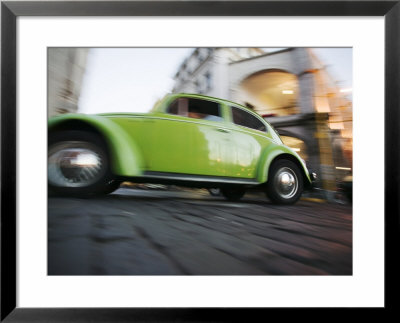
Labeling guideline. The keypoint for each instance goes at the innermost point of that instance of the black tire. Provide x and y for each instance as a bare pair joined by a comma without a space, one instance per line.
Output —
233,193
112,186
78,164
285,182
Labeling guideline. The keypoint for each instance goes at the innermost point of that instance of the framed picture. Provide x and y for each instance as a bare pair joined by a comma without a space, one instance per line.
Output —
35,285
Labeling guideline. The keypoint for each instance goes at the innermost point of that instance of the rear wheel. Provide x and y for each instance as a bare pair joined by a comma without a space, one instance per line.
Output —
78,164
285,182
233,193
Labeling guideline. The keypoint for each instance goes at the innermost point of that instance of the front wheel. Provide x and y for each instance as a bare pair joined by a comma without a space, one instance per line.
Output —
285,182
111,187
78,164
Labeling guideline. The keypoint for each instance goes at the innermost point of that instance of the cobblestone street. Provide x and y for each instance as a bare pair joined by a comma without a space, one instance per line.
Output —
189,232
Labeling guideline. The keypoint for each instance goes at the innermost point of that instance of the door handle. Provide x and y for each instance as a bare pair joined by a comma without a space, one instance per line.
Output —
223,130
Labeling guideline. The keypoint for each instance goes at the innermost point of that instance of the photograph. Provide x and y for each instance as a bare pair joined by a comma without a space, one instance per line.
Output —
200,161
197,161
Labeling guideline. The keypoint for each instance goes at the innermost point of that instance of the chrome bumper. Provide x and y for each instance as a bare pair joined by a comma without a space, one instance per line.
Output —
313,176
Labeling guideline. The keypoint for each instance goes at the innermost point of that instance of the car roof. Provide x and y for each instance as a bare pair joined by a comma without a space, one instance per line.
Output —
207,97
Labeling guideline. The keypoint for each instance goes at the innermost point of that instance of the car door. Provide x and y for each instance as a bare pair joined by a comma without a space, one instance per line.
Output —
188,140
248,139
211,137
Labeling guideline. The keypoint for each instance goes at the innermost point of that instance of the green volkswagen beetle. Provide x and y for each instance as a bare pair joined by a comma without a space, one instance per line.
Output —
187,140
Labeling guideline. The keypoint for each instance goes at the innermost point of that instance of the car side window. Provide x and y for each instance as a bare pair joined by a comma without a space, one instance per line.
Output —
195,108
178,107
245,119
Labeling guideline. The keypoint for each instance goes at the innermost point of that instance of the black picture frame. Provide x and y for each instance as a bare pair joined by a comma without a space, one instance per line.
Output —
11,10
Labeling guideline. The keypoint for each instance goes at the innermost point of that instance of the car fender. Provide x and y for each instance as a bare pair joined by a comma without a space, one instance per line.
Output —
125,157
272,152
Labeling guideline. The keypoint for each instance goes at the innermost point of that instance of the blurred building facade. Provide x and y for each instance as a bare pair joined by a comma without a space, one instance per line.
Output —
66,68
291,89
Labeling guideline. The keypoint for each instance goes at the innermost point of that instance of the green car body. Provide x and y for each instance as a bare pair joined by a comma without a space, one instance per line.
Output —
161,146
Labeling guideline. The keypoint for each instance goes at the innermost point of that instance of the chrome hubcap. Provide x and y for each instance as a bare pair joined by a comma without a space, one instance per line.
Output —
286,182
74,164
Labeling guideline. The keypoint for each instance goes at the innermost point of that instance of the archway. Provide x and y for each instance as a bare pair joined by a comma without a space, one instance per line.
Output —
270,93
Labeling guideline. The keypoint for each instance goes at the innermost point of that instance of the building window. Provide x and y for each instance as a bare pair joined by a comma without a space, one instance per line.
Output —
199,86
207,77
192,64
203,53
204,83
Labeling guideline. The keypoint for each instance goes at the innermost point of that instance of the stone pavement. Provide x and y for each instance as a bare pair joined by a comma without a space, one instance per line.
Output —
189,232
